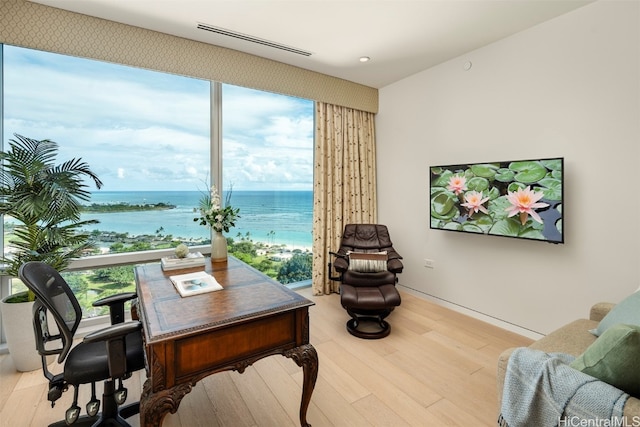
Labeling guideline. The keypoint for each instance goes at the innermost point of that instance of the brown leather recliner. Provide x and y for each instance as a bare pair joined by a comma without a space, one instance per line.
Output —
366,265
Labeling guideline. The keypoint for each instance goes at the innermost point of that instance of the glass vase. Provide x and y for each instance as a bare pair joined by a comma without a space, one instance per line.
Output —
218,247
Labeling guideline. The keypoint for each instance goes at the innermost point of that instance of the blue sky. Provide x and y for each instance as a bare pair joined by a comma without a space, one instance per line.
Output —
143,130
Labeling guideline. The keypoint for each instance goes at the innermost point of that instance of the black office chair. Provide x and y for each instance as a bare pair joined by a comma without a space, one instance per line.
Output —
110,354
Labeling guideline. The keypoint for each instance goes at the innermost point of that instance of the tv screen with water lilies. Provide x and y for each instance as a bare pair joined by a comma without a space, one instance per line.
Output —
520,199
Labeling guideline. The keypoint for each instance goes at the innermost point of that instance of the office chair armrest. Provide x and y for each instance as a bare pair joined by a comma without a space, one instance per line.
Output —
114,338
116,305
113,331
115,299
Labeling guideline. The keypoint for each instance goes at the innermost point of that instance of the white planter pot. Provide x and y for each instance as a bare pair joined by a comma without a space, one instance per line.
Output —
17,321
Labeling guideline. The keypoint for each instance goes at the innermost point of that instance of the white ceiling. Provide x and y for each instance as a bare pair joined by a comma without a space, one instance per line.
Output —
401,37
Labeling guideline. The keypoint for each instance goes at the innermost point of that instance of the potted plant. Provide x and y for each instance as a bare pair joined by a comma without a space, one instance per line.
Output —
219,218
44,199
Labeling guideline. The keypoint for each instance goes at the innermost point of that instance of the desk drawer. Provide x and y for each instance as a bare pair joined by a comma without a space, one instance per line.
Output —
222,347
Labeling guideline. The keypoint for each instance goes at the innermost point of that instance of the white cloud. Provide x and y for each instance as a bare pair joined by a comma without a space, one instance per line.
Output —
142,130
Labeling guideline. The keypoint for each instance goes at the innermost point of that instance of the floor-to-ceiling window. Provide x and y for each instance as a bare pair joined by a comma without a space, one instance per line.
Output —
268,167
148,137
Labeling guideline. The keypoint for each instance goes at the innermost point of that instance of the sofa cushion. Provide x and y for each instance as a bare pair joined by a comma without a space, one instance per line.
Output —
627,312
573,338
612,358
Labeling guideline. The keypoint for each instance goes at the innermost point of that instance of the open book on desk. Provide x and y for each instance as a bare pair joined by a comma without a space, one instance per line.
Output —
195,283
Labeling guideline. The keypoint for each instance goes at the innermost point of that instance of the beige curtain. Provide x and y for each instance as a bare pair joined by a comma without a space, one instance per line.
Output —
344,188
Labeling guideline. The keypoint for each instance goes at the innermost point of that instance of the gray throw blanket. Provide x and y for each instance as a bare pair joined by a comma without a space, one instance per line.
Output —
542,390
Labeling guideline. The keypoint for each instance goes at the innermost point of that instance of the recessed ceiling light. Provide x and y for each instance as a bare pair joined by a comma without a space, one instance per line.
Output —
364,59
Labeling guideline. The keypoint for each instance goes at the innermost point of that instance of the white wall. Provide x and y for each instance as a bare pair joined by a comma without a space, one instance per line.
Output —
569,87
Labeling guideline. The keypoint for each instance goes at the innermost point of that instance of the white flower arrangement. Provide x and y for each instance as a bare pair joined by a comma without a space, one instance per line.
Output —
213,215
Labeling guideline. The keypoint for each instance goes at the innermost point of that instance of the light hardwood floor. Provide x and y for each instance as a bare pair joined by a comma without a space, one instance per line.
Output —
437,368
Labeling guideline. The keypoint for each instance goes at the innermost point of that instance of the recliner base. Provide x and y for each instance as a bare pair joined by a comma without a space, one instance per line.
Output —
383,330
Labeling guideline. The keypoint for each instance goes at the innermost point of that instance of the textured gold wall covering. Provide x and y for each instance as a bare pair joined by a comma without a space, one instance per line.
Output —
33,25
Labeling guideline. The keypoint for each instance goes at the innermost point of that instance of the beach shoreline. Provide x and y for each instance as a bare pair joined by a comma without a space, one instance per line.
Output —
104,243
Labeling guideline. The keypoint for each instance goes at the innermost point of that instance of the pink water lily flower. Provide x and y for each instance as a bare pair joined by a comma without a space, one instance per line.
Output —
474,202
457,184
523,202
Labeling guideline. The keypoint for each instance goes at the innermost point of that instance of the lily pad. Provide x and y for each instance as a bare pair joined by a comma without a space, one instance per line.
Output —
452,226
493,193
478,184
442,180
552,188
437,190
471,228
515,186
484,170
528,172
443,206
482,221
532,233
506,227
505,175
554,165
498,207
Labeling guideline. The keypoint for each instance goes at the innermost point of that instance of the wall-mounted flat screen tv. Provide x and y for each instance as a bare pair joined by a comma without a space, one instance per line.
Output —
521,199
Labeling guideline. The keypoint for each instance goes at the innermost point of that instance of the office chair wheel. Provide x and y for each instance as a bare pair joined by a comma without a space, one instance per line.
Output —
94,404
93,407
120,396
71,415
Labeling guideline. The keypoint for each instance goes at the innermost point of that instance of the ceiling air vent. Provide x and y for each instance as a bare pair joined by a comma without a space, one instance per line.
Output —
251,39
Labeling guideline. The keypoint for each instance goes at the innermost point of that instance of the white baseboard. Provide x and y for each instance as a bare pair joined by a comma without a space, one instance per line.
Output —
474,313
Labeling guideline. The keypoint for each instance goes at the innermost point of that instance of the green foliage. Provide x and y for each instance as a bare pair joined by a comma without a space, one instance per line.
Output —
100,283
19,297
78,283
265,265
117,247
126,207
243,247
45,200
140,246
296,269
246,258
120,276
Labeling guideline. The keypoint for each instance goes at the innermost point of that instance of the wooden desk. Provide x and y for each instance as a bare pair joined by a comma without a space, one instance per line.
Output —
187,339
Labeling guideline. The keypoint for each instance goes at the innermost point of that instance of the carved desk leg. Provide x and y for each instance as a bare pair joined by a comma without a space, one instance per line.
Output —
154,406
307,358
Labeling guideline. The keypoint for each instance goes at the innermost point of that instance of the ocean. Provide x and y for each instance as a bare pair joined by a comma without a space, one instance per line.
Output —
273,217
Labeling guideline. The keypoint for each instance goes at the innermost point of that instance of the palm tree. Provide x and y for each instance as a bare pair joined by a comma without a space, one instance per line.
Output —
45,199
